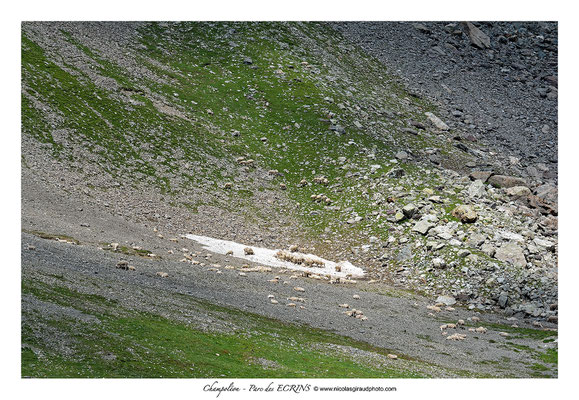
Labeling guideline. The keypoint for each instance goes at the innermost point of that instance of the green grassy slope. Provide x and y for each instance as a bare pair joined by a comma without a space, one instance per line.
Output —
116,342
170,127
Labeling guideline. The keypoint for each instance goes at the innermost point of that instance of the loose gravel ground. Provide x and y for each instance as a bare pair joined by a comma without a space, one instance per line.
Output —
397,320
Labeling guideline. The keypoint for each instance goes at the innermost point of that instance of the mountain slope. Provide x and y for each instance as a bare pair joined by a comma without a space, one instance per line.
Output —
276,133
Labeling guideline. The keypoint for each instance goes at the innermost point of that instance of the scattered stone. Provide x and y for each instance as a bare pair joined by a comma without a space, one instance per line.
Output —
465,213
476,189
518,191
423,226
436,199
503,301
437,122
463,253
480,175
446,300
404,254
410,131
477,37
547,192
396,173
438,262
544,244
488,249
248,251
409,210
444,232
338,128
422,28
511,253
503,181
399,217
401,155
476,240
162,274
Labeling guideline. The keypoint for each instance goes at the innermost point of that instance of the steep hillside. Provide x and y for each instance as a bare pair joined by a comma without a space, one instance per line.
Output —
171,109
275,134
502,90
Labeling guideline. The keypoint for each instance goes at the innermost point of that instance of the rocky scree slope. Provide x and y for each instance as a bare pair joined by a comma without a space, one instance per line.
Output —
279,134
496,82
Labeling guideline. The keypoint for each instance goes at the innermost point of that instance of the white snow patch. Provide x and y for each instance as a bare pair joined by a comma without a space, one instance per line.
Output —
267,257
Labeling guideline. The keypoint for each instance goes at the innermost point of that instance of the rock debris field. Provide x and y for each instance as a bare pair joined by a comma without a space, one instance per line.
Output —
385,190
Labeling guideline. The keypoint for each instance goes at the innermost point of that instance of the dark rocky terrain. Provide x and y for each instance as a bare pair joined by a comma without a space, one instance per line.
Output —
403,148
504,94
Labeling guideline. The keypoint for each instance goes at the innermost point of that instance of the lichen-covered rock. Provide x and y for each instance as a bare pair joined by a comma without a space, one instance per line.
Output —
399,216
465,213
